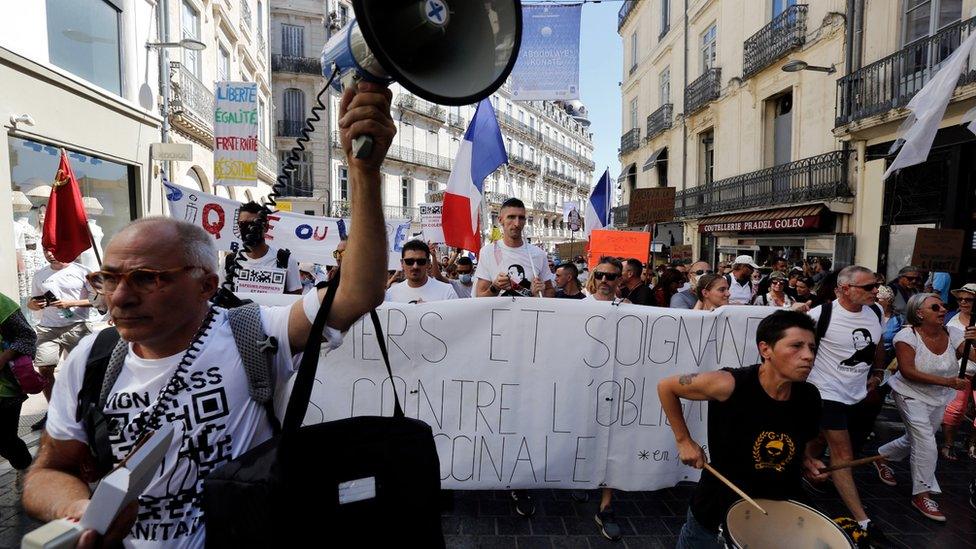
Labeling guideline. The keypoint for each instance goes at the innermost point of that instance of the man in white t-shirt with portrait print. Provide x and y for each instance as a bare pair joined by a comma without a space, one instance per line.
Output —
512,266
418,287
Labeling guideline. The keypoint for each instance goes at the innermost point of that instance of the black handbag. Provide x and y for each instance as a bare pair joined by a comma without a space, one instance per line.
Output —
363,480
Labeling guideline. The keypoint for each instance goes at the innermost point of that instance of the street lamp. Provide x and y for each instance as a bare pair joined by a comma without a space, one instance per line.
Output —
186,43
797,66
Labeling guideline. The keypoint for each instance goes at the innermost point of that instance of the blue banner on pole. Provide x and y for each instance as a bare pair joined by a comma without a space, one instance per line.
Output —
548,61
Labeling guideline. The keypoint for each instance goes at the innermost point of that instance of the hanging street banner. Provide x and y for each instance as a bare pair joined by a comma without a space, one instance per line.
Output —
537,393
309,238
235,154
430,221
548,61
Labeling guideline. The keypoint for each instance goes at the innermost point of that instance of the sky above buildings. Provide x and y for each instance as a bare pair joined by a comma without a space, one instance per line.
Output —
601,60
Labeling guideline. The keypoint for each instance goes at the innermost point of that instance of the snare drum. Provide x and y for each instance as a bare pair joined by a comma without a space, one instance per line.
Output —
789,524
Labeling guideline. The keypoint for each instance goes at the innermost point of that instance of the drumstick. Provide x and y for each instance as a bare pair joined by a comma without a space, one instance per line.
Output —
852,463
733,487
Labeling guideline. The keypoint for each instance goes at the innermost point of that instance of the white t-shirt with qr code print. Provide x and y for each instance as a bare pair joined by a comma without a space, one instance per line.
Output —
269,261
215,419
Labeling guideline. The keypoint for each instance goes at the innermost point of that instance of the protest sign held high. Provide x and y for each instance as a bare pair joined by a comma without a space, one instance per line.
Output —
236,134
525,393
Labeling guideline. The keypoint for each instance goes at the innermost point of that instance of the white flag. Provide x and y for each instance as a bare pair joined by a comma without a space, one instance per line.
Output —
928,106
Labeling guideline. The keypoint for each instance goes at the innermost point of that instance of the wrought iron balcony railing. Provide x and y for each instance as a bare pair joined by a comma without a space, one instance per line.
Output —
630,141
191,100
523,163
659,120
421,106
300,65
341,208
785,33
267,161
289,128
625,12
822,177
456,121
560,177
891,82
619,215
705,89
246,16
410,155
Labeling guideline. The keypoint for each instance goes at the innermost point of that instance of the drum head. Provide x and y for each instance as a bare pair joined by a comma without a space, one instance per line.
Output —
789,524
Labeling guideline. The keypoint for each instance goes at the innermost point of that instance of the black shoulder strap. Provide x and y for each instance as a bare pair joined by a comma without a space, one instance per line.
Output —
728,278
282,258
824,320
98,357
876,309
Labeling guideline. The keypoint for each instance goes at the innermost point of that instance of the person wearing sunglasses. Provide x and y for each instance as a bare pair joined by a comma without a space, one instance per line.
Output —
418,286
904,287
181,363
687,298
926,381
956,410
776,295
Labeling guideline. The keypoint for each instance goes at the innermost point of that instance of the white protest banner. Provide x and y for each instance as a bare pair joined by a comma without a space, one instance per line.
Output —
235,155
537,393
308,237
430,220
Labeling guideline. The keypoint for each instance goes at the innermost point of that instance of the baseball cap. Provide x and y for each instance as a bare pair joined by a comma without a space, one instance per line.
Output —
745,260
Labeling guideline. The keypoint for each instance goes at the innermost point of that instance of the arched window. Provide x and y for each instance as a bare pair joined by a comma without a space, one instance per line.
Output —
192,180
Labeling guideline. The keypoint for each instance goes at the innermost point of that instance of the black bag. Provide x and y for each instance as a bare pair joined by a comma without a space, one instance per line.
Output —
362,480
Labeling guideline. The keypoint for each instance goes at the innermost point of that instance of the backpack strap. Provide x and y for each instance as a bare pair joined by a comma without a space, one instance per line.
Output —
257,351
876,309
282,258
102,368
825,311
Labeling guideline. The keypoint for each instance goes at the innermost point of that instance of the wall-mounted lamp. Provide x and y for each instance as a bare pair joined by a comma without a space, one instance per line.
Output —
797,66
186,43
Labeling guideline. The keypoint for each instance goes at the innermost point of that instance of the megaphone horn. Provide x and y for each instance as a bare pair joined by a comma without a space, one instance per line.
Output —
450,53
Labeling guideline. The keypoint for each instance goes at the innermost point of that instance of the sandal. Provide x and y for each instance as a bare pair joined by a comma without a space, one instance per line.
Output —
947,452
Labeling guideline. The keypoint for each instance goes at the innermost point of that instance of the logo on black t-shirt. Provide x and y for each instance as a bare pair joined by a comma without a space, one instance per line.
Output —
772,451
864,347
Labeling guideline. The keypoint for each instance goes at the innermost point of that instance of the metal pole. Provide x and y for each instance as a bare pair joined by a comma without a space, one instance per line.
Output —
162,30
328,121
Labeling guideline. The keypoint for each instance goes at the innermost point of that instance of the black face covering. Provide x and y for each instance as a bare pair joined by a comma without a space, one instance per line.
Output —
744,280
252,232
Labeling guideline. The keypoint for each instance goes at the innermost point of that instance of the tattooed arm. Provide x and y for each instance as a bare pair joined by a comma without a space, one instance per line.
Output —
706,386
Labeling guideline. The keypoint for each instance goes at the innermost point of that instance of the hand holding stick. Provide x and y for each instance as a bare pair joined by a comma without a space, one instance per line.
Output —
733,487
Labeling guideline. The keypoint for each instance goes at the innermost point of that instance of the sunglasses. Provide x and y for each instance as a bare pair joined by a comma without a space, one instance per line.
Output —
964,299
701,272
937,307
409,262
777,282
609,277
912,278
867,287
142,281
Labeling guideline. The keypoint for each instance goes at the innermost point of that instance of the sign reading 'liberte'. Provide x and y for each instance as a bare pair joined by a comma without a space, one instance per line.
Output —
784,224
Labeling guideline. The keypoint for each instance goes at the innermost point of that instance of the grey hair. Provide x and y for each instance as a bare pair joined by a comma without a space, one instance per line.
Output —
199,249
847,274
913,311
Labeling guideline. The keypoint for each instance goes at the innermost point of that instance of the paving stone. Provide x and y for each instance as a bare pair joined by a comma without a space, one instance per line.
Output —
533,542
569,542
545,526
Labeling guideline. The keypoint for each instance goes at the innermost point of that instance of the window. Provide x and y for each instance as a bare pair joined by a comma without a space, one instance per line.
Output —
634,122
292,41
707,147
779,6
521,151
664,86
633,52
294,105
432,187
405,192
343,15
343,183
925,17
300,179
262,122
708,48
83,39
260,22
190,27
223,64
665,18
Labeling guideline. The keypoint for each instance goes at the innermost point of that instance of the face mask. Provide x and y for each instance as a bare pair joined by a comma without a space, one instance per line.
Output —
744,280
252,233
465,278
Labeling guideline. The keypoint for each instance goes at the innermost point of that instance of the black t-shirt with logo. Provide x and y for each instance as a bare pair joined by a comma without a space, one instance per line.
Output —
756,442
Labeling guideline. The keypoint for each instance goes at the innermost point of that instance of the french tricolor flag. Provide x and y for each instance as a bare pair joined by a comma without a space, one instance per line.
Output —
598,205
481,152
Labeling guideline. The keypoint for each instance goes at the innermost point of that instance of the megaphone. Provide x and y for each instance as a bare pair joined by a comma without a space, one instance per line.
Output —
450,52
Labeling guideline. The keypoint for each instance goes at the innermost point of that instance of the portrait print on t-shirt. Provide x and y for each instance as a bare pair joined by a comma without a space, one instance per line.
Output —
521,285
864,346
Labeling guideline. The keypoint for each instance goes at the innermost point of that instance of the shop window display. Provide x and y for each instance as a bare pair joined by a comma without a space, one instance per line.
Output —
105,188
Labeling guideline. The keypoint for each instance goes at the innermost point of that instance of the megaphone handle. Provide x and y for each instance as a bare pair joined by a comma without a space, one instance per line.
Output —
362,146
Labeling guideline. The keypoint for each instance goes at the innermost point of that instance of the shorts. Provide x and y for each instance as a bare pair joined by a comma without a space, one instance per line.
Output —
51,342
836,416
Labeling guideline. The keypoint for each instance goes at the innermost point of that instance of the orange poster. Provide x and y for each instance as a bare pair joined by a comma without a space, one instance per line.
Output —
625,244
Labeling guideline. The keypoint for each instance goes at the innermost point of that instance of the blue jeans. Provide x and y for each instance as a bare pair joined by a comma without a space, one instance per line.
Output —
695,536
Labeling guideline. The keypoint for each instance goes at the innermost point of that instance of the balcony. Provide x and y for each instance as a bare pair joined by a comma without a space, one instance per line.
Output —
496,198
267,163
299,65
523,163
520,127
191,104
341,208
630,141
553,174
625,12
456,121
246,17
421,106
818,178
289,128
619,215
891,82
785,33
409,155
659,120
705,89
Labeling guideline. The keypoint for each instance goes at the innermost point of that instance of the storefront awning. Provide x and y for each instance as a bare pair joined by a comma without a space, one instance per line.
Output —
655,158
629,170
796,219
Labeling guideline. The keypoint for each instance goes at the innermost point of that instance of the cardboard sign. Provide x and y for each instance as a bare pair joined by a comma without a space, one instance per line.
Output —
235,155
651,206
430,221
568,250
938,249
626,244
681,251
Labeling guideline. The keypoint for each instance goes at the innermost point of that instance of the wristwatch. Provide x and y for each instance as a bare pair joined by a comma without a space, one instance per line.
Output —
493,289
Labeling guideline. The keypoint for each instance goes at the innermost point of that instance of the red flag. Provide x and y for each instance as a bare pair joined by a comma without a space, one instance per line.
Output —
66,231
